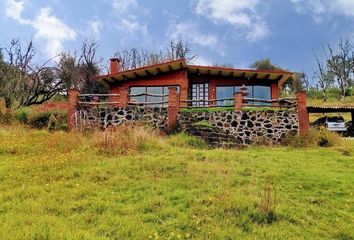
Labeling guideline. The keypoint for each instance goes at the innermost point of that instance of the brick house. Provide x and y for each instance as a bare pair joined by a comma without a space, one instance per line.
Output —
193,83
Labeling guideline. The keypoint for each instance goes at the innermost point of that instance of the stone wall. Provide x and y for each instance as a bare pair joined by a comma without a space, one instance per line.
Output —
106,116
220,128
228,128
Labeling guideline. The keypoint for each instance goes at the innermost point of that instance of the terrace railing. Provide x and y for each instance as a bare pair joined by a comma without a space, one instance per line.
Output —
97,99
134,102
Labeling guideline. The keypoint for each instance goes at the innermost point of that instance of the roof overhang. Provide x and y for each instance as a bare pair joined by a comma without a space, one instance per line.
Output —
153,70
148,71
279,76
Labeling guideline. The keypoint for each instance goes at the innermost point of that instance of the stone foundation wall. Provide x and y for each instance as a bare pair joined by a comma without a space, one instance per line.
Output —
220,128
228,128
104,117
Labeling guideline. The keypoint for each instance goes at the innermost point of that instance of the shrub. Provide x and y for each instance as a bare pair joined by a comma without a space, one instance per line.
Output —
5,118
41,120
314,137
21,115
185,140
126,139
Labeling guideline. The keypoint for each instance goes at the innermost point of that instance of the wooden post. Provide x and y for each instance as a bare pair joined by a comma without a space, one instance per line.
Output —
238,101
173,107
123,97
73,99
303,115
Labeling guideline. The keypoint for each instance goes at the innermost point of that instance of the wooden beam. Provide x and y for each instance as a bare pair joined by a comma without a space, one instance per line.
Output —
198,72
266,77
279,78
114,79
220,72
136,75
231,74
181,65
148,73
208,71
170,68
158,70
254,76
243,75
125,77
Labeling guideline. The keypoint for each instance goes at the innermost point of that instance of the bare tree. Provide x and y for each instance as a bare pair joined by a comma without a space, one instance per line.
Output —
341,64
134,58
324,77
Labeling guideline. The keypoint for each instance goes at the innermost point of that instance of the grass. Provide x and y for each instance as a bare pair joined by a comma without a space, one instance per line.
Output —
60,186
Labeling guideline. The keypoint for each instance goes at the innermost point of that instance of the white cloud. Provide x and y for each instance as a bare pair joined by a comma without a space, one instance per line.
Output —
124,6
95,27
202,61
321,9
189,31
241,14
127,21
48,27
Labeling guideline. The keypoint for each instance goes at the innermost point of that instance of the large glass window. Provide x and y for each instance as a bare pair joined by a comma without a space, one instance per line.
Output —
161,101
261,92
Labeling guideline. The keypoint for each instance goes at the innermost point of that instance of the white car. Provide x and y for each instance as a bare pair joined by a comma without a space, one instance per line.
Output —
335,124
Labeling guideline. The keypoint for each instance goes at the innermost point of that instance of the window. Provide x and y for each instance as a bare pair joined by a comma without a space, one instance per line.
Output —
161,90
261,92
199,92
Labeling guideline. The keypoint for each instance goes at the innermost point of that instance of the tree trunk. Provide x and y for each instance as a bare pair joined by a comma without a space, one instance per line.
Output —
8,102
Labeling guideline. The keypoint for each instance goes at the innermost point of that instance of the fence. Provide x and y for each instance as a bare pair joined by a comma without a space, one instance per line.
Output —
174,104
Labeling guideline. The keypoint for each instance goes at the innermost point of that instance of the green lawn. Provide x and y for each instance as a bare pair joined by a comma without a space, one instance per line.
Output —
58,186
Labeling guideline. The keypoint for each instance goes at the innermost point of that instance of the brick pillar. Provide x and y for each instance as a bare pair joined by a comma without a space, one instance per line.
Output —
238,101
275,94
173,107
73,99
123,97
114,90
304,123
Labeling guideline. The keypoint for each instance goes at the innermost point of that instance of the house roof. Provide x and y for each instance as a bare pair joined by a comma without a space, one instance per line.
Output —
155,69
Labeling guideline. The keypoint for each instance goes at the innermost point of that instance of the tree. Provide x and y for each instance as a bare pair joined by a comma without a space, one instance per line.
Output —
24,81
341,64
134,58
324,77
80,72
265,64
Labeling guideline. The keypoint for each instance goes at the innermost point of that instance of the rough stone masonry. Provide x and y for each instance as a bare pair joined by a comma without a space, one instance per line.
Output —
219,128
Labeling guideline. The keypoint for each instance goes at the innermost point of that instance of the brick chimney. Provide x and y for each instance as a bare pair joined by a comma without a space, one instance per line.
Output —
115,65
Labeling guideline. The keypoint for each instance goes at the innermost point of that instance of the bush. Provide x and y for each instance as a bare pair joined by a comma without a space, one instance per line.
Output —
21,115
125,139
5,118
185,140
314,137
42,120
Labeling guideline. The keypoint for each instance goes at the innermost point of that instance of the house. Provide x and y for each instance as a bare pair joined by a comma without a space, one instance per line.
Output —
204,85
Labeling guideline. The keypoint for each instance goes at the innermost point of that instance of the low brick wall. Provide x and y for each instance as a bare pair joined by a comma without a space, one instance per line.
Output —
228,128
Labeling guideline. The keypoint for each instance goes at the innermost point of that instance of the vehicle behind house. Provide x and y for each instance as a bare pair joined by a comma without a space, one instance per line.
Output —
335,123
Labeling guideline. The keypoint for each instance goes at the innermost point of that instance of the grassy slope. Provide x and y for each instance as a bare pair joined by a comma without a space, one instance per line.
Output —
56,186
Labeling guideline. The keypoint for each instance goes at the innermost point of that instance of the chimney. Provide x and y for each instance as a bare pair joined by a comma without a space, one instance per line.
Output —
115,65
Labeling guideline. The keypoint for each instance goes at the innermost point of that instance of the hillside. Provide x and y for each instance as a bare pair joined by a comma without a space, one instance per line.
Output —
68,186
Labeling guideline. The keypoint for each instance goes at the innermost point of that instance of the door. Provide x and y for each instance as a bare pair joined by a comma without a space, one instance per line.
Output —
200,92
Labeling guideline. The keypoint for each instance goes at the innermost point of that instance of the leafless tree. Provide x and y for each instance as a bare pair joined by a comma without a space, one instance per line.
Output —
341,64
134,58
324,77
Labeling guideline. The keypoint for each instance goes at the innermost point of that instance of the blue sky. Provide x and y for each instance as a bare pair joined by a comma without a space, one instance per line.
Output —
220,31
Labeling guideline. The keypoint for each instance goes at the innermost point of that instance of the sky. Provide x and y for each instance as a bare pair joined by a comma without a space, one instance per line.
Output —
236,32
